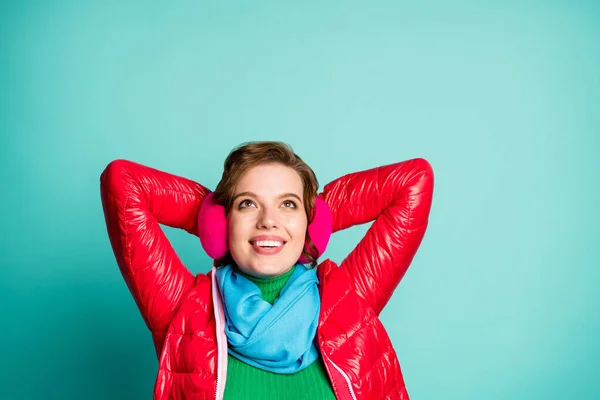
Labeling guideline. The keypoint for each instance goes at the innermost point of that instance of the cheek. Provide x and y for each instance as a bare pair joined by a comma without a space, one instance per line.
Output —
298,226
235,239
235,229
240,227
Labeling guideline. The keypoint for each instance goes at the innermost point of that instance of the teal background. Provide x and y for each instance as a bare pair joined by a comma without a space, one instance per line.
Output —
502,98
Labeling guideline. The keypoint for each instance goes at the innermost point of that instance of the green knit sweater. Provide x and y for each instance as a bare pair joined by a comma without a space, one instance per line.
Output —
247,382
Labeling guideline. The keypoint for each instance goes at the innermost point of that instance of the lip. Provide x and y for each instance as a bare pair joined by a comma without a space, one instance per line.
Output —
267,237
267,251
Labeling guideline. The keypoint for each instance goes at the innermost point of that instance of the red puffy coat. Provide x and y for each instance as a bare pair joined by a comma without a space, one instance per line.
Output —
184,312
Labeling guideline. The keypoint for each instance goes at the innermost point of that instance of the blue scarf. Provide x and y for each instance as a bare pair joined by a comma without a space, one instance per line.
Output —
276,338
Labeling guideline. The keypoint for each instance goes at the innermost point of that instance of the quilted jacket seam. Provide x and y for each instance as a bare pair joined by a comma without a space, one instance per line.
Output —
360,329
396,389
326,317
145,185
369,272
127,255
185,373
352,207
182,334
133,273
391,194
378,360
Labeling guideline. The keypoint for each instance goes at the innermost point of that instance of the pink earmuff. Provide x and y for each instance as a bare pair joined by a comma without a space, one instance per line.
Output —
212,228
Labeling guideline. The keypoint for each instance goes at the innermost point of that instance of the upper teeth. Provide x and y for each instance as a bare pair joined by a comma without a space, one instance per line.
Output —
271,243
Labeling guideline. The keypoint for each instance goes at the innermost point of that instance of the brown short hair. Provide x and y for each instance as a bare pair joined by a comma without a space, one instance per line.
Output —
251,154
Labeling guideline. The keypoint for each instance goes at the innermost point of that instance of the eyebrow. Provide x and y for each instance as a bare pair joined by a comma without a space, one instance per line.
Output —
251,194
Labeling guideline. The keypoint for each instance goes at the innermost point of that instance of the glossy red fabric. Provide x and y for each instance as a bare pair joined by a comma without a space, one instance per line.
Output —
178,307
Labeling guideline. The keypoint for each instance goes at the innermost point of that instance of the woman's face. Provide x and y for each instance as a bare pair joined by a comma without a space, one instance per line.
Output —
267,222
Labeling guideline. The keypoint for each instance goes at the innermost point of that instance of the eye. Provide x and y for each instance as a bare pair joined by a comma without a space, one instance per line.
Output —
246,203
289,204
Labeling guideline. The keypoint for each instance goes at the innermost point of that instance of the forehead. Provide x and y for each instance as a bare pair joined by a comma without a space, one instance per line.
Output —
267,179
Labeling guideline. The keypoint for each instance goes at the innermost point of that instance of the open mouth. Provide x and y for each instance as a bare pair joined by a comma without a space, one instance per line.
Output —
267,247
267,244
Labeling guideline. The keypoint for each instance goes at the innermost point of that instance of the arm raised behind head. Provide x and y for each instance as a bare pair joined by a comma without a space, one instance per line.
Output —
397,198
135,200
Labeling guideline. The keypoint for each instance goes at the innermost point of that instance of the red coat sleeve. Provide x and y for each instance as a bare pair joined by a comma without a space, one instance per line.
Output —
398,198
136,199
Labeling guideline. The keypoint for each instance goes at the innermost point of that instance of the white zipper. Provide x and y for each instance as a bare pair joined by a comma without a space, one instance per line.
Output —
221,339
344,375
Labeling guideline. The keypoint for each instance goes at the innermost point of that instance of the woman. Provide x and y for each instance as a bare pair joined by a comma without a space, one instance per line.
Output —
261,324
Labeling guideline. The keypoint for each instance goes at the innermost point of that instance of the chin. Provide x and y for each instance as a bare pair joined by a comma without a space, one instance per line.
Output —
271,269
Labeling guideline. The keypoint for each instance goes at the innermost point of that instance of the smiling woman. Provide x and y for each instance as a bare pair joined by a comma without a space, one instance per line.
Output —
267,224
266,189
267,322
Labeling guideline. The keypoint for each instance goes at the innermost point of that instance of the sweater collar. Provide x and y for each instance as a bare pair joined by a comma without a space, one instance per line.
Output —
270,288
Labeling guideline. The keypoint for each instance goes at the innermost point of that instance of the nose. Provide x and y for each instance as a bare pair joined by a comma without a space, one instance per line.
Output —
267,219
